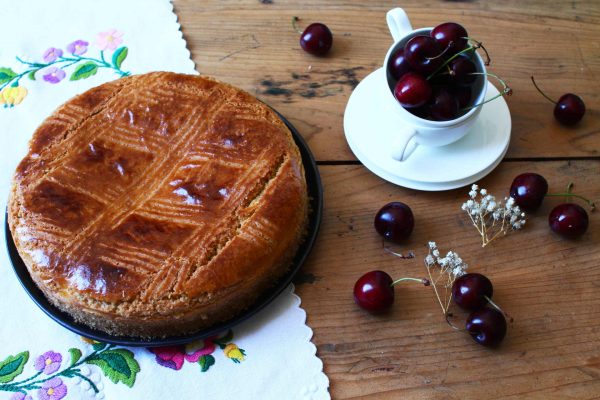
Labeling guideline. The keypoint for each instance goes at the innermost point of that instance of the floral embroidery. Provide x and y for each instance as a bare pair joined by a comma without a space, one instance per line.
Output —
109,40
11,95
54,389
234,353
199,351
48,363
118,364
55,62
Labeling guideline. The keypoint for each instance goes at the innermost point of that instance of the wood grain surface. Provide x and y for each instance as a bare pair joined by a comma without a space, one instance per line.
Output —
548,284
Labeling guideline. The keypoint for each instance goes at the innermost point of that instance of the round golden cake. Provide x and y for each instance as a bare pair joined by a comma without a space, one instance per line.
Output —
158,204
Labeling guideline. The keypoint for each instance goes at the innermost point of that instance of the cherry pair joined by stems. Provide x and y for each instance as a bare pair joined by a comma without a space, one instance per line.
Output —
567,219
486,325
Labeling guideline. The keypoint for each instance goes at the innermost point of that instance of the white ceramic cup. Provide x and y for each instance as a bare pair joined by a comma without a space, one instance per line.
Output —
418,130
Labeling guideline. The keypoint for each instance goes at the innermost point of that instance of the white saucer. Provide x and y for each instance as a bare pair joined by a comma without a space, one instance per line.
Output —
369,123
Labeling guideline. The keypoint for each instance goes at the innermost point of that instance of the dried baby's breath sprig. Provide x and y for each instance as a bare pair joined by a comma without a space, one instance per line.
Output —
490,217
442,272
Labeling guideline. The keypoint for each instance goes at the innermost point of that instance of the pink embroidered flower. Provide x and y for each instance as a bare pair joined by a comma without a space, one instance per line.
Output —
197,349
109,40
54,75
78,47
53,389
20,396
52,54
49,362
169,356
173,356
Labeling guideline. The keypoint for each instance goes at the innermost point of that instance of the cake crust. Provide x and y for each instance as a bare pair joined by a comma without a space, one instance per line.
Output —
158,204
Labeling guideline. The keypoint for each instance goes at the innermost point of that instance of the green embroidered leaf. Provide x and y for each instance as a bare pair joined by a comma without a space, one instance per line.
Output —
84,71
75,355
13,366
118,365
31,75
224,340
99,346
119,56
6,74
206,362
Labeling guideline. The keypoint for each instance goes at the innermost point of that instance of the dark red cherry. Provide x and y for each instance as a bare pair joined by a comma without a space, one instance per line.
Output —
394,221
452,35
316,39
397,65
569,220
423,54
421,112
444,105
412,90
374,291
569,109
469,291
463,95
461,70
487,326
528,190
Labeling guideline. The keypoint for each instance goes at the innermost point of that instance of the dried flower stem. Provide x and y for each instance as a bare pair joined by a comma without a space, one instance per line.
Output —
491,218
447,268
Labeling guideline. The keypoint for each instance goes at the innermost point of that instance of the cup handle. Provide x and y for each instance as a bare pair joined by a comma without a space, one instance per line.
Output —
398,23
401,143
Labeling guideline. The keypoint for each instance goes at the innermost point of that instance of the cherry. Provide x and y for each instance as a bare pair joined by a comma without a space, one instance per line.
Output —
568,110
452,36
472,291
463,94
316,39
487,326
374,291
461,71
423,54
444,106
528,190
397,65
568,220
394,221
421,112
412,90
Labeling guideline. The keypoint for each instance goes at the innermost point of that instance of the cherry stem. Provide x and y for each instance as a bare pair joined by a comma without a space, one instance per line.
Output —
408,255
448,61
424,281
569,194
540,90
497,307
478,45
505,89
442,53
294,20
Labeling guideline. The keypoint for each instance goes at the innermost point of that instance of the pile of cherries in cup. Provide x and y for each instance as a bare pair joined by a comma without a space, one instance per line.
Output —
434,74
486,323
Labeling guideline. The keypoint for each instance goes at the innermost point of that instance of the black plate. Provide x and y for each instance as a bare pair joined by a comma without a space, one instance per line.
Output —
315,192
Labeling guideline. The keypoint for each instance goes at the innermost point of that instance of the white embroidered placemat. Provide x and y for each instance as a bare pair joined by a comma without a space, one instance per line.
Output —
49,52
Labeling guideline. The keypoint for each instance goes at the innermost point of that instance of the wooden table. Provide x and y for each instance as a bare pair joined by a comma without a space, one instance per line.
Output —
551,286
